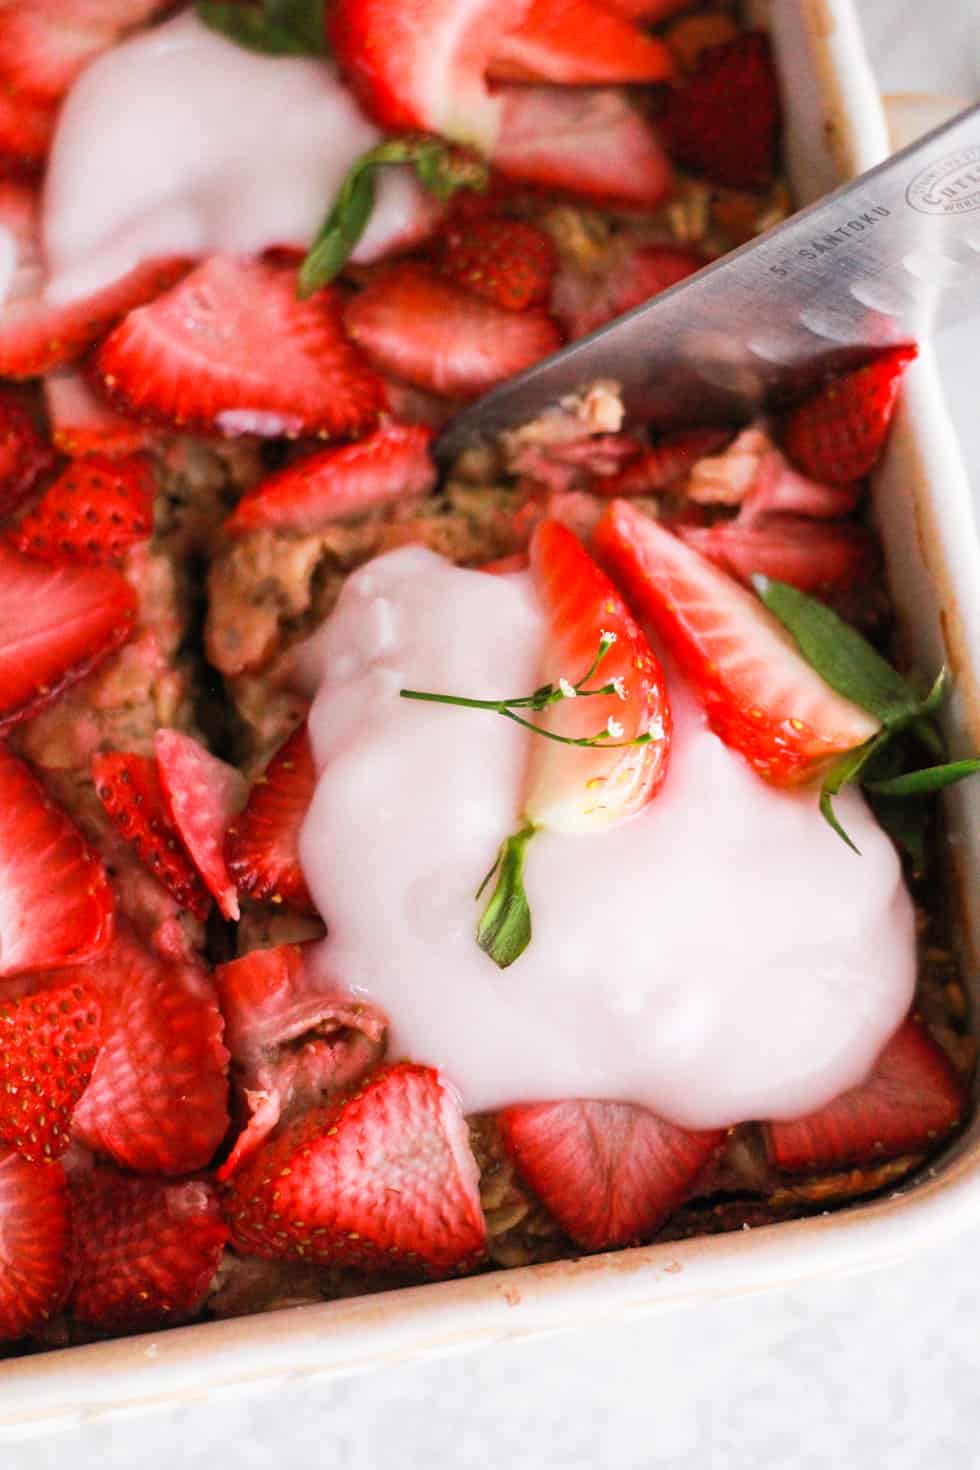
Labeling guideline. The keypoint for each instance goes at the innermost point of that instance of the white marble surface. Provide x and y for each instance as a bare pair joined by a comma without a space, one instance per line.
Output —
868,1371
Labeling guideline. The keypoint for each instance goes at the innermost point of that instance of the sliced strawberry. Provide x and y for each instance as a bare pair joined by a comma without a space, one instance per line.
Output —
760,695
391,464
96,510
262,846
506,261
633,274
83,423
723,121
781,490
56,901
158,1099
421,328
652,11
48,1045
818,557
128,786
609,1173
838,433
381,1177
579,41
34,1244
586,140
35,334
24,454
56,624
296,1039
664,466
202,794
912,1100
233,349
145,1250
579,790
422,66
26,129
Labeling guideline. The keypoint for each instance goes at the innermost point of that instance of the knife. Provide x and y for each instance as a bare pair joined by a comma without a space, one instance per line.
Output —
887,258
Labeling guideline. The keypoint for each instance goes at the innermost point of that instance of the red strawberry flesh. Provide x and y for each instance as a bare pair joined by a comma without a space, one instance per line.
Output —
34,1244
837,435
579,41
202,795
723,120
94,512
24,454
507,261
48,1045
262,845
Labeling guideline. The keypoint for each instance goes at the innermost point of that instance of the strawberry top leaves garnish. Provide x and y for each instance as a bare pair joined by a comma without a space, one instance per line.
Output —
272,27
849,664
441,167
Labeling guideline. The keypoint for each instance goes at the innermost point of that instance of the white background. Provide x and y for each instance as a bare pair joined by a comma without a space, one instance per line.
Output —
880,1370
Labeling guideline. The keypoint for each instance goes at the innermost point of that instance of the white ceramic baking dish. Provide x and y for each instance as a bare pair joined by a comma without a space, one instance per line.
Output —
836,127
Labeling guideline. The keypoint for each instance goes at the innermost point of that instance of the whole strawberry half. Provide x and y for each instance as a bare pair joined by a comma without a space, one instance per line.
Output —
838,433
590,141
24,454
392,463
48,1045
419,327
58,906
584,789
202,794
382,1177
145,1250
128,786
158,1099
94,512
34,1244
36,334
57,623
506,261
421,67
912,1099
723,120
232,349
262,843
579,41
610,1173
760,695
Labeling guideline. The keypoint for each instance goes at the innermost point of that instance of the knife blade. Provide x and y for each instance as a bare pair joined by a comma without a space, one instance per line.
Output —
886,258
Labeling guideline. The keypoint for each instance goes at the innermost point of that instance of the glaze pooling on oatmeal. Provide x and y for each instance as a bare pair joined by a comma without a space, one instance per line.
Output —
718,958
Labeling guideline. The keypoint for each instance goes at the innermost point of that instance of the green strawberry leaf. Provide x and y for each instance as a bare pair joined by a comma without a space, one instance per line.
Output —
441,167
504,927
924,782
843,773
272,27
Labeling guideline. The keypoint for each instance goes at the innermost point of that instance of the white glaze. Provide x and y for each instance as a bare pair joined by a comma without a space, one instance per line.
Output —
179,142
722,956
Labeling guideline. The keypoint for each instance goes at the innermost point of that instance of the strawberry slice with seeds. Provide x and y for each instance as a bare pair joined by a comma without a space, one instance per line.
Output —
128,786
202,795
48,1045
838,433
421,328
818,557
24,454
158,1099
37,335
723,121
145,1250
233,349
262,845
582,303
421,67
382,1177
56,901
579,41
391,464
94,512
912,1099
34,1244
83,423
608,1172
582,140
57,623
664,466
580,790
506,261
760,695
